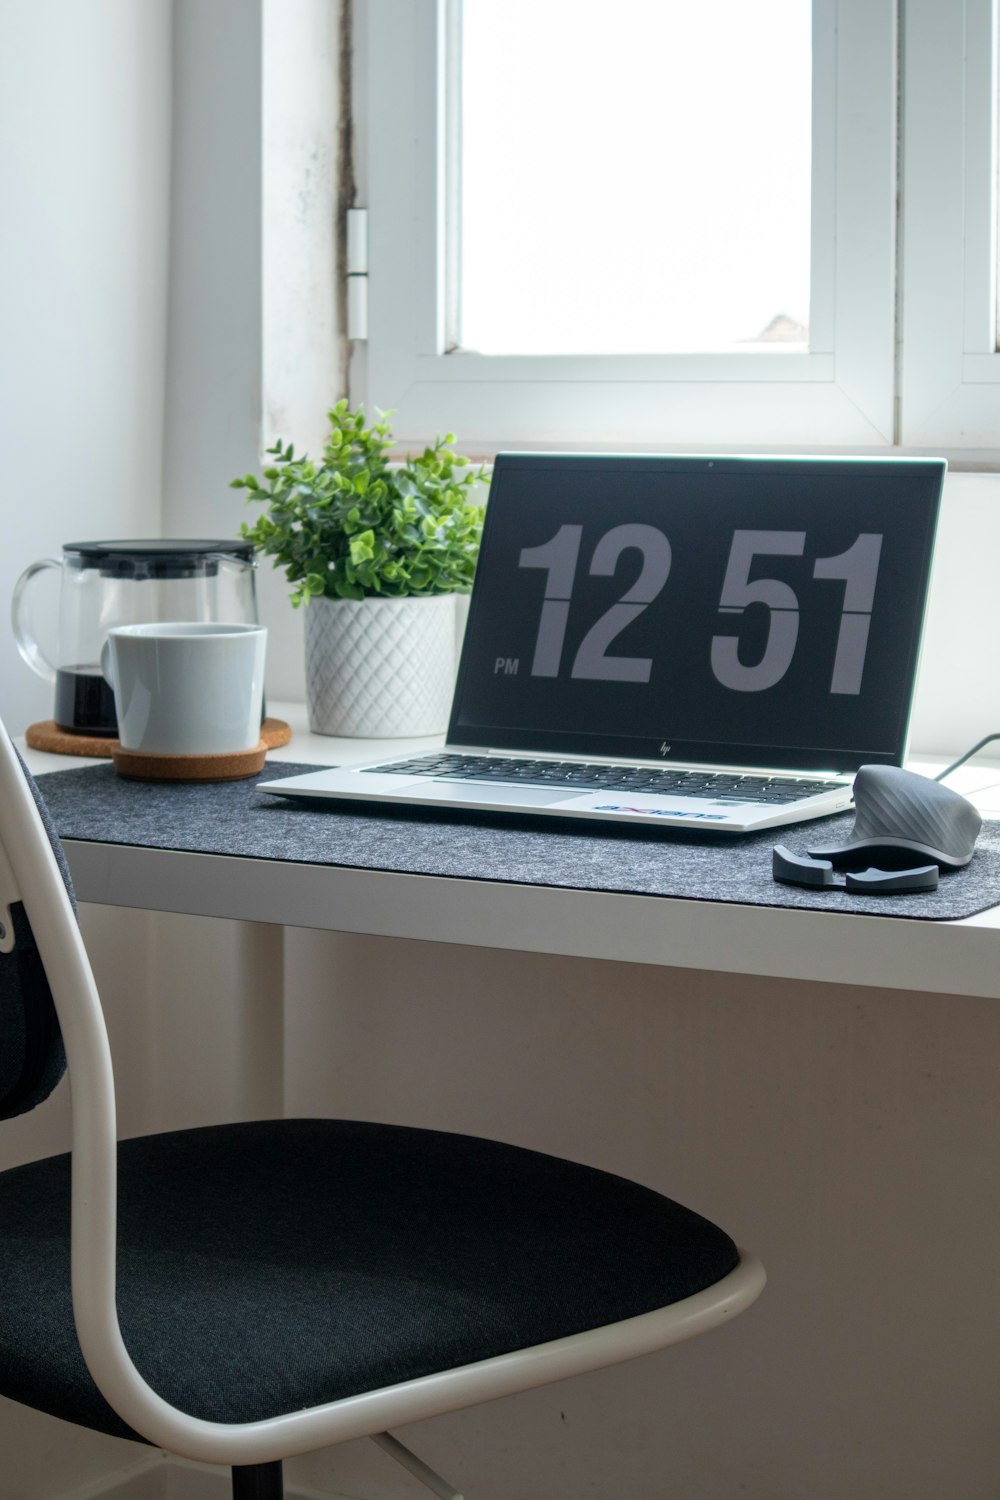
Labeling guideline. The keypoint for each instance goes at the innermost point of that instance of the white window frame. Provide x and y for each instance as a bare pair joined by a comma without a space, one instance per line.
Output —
949,366
854,389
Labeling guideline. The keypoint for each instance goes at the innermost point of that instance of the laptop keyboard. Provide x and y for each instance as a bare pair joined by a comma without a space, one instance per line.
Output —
574,776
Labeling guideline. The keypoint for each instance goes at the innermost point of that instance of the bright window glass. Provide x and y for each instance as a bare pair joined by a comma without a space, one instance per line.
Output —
635,187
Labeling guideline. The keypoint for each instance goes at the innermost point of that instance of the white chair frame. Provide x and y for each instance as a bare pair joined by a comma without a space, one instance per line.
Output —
29,873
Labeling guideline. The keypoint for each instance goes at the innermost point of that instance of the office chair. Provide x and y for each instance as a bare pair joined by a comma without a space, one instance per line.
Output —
238,1294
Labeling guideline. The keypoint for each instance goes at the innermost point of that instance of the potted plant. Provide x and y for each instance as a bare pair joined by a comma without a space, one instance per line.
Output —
378,552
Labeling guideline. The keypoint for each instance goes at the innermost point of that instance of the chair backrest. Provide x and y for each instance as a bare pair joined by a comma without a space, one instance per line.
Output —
32,1055
36,891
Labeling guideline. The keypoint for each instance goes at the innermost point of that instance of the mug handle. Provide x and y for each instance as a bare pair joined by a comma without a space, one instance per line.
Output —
29,648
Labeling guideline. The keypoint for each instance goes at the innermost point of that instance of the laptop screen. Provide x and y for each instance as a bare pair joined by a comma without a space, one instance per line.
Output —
732,611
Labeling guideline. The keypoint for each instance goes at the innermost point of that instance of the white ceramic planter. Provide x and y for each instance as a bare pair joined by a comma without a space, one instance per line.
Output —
380,667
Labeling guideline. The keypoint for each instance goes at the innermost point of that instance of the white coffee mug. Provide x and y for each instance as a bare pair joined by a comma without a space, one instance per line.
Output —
186,688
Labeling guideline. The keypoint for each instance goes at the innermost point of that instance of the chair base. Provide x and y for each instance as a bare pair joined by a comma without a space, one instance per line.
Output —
258,1482
264,1481
416,1466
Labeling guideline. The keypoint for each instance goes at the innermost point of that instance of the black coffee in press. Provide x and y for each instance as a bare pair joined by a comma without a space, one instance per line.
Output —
84,701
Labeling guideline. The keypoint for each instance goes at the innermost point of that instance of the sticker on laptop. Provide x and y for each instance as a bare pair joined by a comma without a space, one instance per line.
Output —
646,805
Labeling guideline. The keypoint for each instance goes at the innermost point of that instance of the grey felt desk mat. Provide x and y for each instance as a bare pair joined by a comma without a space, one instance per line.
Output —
93,803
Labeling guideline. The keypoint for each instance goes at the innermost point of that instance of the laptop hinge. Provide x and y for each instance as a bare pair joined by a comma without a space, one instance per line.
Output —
504,753
356,229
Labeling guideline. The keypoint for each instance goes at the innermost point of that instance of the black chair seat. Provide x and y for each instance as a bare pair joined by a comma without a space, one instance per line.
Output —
273,1266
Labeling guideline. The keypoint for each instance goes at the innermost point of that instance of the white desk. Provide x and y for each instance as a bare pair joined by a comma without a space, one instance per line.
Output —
847,1134
960,957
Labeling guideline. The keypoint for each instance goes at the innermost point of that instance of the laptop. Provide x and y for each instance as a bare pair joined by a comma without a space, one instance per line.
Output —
681,642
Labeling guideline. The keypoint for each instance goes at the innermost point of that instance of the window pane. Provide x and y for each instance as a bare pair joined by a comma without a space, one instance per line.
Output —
634,177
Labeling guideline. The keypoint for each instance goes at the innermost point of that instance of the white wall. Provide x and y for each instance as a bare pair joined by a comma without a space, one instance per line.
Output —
957,699
138,348
213,384
84,159
254,187
84,163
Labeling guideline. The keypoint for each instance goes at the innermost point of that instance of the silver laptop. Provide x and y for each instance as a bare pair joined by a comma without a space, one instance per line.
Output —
688,642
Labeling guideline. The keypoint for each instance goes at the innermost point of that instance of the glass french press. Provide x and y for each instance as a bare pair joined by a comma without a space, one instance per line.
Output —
126,583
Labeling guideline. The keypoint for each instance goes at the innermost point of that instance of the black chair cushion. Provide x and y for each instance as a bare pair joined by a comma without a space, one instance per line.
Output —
272,1266
32,1057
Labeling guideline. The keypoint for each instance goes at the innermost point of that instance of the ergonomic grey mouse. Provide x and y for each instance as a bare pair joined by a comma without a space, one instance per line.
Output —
900,812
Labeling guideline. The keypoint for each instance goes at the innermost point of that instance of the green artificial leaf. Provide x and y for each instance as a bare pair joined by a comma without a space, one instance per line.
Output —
354,523
362,547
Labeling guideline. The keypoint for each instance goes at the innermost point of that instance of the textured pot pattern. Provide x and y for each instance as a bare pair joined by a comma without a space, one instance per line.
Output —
380,668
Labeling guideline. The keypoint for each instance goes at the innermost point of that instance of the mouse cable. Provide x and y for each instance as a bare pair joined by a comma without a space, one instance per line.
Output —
987,740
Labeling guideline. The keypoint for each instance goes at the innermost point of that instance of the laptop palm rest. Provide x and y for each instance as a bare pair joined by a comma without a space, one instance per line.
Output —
423,789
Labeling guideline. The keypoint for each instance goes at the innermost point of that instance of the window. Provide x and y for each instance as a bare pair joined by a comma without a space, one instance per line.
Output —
827,225
607,242
949,382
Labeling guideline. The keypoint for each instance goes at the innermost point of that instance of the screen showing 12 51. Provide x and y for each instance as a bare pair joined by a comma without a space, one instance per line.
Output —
736,611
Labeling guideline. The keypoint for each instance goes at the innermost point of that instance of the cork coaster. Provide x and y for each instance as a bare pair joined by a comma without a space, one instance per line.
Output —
48,736
232,767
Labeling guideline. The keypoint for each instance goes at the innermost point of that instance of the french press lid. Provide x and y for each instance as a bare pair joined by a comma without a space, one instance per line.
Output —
156,558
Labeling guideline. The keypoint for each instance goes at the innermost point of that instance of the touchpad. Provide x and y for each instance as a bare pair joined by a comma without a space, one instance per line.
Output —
495,796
